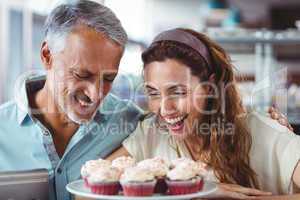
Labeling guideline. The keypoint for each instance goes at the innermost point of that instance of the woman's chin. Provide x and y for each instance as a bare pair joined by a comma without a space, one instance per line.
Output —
178,132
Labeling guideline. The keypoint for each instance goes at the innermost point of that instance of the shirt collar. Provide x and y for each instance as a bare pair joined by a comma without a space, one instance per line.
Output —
32,81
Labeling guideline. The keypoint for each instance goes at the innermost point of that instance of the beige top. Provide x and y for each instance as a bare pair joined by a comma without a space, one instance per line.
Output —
274,154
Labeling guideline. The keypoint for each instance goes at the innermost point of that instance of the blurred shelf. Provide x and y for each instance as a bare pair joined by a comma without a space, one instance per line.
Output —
248,36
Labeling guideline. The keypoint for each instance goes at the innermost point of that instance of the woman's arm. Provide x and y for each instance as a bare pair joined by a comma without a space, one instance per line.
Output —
233,191
118,153
296,176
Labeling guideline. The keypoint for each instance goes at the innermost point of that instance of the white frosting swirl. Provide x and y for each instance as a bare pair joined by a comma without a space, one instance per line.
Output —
137,174
110,174
123,162
93,165
178,161
182,172
198,167
156,165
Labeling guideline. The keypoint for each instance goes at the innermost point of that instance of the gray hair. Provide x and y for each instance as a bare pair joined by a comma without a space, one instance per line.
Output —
64,18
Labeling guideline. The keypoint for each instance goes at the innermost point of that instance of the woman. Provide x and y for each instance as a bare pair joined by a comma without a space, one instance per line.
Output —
198,113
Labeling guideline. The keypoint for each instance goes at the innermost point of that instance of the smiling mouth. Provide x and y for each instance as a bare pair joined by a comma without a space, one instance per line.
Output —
84,101
83,105
177,123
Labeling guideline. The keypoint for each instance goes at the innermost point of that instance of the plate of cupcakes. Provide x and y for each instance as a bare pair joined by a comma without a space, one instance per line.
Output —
150,179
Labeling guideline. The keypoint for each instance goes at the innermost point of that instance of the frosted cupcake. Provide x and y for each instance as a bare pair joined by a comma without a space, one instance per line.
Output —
159,168
137,181
183,179
105,181
179,161
123,163
92,166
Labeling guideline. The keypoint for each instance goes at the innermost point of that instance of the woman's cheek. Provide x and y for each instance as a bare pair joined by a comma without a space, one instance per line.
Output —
184,105
198,102
154,106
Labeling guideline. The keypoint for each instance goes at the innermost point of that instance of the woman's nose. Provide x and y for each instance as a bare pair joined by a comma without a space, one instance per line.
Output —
167,106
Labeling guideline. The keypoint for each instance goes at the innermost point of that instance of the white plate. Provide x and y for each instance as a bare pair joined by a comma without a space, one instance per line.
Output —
78,188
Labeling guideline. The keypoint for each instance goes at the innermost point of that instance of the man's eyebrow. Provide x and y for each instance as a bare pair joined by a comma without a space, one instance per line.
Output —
78,70
150,87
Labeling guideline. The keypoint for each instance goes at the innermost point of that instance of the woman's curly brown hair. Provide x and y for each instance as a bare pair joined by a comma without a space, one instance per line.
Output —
229,153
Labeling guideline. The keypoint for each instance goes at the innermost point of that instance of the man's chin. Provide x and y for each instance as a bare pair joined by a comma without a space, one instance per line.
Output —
80,119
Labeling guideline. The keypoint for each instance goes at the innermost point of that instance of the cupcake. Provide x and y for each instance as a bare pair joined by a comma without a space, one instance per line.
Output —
123,162
156,165
105,181
200,168
183,179
91,166
179,161
159,168
137,181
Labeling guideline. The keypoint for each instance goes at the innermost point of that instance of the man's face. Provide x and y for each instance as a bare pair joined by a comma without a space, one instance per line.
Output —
81,75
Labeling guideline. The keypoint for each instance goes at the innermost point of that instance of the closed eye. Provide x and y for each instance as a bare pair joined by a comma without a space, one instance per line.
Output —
152,94
179,93
81,76
109,77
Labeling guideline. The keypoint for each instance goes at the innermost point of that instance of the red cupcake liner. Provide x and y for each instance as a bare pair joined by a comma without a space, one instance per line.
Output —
138,189
161,186
185,187
86,183
105,188
200,185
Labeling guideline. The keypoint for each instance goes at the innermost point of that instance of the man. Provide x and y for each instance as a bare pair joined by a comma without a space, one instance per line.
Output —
54,122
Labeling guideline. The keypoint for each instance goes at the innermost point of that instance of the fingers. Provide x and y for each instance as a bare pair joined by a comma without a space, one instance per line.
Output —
276,115
284,122
271,109
291,128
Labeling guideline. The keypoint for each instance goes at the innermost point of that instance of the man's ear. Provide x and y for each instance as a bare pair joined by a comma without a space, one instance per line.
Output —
46,55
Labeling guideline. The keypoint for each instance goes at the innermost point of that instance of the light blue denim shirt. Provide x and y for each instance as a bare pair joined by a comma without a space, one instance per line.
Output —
26,144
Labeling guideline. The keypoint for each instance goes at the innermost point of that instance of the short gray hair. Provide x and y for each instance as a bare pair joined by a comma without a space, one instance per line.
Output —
64,18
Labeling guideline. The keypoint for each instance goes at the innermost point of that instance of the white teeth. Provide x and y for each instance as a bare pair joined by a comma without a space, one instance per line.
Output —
174,120
83,103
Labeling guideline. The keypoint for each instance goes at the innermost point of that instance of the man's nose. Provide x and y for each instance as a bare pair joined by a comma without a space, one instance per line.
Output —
93,91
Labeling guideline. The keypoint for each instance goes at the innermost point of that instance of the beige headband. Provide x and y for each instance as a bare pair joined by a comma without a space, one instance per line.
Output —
186,38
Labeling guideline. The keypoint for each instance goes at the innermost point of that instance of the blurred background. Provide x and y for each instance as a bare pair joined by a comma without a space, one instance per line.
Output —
262,37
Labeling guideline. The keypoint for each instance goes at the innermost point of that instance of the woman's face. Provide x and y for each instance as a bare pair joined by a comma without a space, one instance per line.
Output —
175,95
